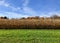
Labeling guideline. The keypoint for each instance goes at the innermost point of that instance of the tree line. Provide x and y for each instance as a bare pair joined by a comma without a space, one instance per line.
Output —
36,17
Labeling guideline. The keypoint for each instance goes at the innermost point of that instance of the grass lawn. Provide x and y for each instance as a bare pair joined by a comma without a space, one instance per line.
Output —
29,36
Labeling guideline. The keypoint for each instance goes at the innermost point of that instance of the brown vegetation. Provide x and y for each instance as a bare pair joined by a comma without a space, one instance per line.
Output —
30,23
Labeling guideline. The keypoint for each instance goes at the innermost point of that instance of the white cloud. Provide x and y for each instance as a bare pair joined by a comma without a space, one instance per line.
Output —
7,5
48,14
54,13
14,8
2,3
25,2
25,10
12,15
29,11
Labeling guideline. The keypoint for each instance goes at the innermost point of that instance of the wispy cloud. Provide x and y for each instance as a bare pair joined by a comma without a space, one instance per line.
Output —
14,8
54,13
24,9
2,3
13,15
48,14
25,3
27,10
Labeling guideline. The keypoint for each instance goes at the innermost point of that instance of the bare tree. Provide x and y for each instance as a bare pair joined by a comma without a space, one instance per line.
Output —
55,16
23,18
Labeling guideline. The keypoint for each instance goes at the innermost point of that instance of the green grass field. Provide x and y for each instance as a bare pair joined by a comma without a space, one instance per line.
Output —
29,36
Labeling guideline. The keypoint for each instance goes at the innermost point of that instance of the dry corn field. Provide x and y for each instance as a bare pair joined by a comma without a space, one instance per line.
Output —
30,23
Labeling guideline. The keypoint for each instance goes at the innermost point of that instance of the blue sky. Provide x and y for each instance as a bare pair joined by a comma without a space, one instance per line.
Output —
25,8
